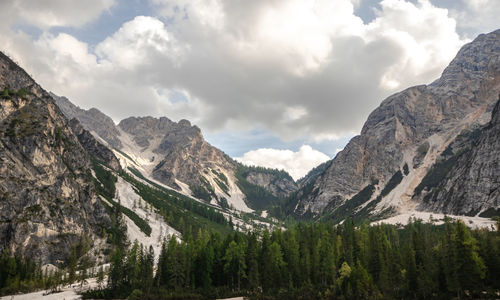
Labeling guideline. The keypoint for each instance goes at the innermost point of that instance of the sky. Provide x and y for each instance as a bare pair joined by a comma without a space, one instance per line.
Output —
276,83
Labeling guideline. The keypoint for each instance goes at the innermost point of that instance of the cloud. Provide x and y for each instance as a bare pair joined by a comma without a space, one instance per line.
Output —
136,41
302,70
475,16
50,13
297,164
426,35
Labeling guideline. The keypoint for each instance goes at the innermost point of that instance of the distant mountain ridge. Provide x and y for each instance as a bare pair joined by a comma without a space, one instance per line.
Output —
177,155
378,171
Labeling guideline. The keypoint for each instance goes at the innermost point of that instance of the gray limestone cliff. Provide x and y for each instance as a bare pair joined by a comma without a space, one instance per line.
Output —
182,156
47,198
180,151
466,180
93,147
408,131
279,186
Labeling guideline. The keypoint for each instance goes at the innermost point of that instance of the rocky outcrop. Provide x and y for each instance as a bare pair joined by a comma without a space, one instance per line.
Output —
313,174
390,139
147,130
179,149
47,198
470,185
279,184
92,120
181,155
93,147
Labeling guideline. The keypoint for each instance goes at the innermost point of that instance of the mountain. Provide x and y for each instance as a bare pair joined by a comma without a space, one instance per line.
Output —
176,155
93,147
92,119
471,172
48,203
378,172
65,198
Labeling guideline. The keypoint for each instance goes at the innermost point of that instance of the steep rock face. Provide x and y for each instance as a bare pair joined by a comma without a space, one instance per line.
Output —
92,120
47,199
147,130
180,151
177,155
313,174
93,147
474,175
186,156
394,132
279,186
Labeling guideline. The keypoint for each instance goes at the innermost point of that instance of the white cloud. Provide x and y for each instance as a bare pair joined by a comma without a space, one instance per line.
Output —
426,36
305,68
477,16
297,164
50,13
301,69
132,45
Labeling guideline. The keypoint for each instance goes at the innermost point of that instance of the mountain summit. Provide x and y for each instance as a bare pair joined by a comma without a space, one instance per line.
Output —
381,171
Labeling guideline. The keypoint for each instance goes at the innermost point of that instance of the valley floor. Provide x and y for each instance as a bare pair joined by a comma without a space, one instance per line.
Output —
67,294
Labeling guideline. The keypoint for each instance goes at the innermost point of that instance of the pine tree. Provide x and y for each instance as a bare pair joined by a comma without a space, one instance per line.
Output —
116,272
146,270
291,255
100,277
277,264
471,268
72,265
235,263
132,265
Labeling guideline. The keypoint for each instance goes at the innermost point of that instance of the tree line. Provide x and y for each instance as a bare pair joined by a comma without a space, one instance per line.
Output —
315,261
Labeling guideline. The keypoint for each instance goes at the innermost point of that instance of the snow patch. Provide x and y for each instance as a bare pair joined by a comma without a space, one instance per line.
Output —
129,198
436,218
237,198
67,294
184,188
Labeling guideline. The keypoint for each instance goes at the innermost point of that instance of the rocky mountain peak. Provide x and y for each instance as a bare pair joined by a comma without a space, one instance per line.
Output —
432,115
11,75
146,129
92,120
184,123
472,62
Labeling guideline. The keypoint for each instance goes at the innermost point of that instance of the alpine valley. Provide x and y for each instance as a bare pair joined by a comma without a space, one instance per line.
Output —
75,187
